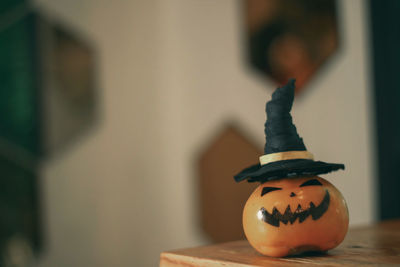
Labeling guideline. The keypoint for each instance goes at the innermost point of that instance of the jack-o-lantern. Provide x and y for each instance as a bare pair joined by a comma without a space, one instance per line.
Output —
293,210
293,215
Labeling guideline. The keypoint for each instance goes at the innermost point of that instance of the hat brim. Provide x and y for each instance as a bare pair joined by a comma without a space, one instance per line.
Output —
286,169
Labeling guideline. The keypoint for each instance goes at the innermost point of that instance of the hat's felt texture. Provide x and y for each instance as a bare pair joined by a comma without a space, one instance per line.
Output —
281,135
280,132
286,169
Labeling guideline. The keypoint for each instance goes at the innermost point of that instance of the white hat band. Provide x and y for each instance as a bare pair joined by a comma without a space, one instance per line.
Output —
287,155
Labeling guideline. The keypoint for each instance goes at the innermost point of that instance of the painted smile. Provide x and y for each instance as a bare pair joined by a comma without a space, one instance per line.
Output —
288,216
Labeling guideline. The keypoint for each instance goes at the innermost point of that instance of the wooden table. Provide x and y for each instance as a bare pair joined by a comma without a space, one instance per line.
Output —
371,245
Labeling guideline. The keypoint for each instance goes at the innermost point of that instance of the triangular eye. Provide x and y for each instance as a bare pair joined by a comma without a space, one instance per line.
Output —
266,190
311,182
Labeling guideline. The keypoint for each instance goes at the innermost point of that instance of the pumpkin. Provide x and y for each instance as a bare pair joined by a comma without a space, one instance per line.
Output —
293,215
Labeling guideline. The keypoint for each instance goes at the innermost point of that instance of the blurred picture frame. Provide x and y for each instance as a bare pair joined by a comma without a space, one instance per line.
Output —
290,38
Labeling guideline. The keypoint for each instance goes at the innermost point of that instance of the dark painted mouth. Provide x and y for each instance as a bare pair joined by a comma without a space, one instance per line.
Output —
288,216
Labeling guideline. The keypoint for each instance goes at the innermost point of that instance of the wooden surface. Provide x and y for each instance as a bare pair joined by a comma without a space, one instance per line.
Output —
377,245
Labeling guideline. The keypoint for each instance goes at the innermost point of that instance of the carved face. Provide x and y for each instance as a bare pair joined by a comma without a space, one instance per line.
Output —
293,215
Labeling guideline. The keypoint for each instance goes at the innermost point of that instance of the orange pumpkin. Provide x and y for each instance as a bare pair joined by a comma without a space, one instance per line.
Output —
292,215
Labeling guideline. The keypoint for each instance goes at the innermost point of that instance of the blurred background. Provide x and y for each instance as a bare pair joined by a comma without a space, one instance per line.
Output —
123,122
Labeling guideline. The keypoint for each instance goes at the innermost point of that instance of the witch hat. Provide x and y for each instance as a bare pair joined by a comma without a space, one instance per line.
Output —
285,154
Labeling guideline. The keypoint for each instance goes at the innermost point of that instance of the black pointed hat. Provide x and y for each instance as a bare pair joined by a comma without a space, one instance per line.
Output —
285,154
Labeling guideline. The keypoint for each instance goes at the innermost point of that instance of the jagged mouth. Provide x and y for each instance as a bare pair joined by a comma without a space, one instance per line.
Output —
276,217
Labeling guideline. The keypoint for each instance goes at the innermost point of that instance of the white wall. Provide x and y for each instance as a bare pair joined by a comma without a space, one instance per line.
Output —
333,116
105,197
171,75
